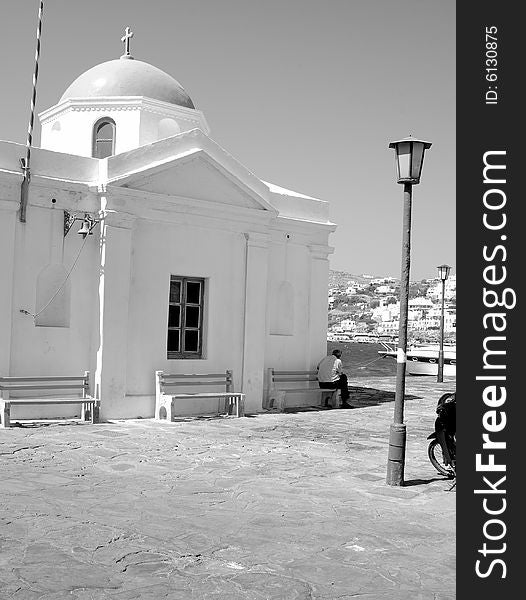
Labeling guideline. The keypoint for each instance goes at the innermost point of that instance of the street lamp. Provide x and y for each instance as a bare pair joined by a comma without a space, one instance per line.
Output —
443,273
409,161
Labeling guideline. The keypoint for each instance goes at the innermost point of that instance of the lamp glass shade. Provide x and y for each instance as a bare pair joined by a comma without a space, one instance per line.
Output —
443,271
403,155
409,159
417,160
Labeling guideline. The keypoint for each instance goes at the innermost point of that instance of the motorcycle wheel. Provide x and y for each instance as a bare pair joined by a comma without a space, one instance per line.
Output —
434,451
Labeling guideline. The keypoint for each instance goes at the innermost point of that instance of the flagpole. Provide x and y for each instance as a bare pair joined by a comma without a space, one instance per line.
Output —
25,162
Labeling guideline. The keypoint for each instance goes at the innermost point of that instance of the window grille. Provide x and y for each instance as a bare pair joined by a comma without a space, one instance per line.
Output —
185,317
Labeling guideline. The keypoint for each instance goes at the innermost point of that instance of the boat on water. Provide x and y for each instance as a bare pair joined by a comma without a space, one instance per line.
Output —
423,359
365,338
339,337
358,338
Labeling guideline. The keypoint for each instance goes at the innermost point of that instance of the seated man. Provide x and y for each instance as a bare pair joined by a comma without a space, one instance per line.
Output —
331,376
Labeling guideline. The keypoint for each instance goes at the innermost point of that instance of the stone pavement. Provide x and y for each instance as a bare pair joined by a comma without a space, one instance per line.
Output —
273,506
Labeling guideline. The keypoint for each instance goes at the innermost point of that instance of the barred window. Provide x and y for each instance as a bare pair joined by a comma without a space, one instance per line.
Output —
185,317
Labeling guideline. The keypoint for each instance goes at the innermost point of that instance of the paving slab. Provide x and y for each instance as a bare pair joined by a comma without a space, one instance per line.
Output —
272,506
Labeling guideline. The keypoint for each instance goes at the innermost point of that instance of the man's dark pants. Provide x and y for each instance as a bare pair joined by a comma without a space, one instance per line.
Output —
340,384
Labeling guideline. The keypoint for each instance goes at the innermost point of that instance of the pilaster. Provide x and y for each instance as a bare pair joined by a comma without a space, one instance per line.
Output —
256,274
319,274
8,221
116,230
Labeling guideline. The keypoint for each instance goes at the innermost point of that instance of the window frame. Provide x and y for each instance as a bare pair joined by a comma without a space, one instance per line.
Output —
182,353
96,126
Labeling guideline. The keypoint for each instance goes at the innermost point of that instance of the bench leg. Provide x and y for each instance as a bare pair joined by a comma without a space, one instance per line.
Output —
269,398
96,412
240,407
331,398
165,409
235,406
5,414
87,412
277,400
90,412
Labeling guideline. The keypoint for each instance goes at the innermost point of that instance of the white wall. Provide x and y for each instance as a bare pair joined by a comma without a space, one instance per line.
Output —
50,350
156,125
217,256
150,236
291,260
72,131
8,219
68,127
159,250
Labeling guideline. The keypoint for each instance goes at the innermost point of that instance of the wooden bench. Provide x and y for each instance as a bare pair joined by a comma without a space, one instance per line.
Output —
166,393
280,382
47,389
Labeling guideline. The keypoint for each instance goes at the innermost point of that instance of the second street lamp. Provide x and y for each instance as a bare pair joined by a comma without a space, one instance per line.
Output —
409,160
443,273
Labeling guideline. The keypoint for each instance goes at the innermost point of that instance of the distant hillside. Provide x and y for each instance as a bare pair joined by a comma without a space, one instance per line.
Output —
339,277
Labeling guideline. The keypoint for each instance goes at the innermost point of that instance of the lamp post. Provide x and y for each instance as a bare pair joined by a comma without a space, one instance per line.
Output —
409,161
443,273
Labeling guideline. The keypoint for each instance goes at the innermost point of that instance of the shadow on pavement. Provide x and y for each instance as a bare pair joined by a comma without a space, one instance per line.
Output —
361,397
27,424
367,396
190,418
300,409
412,482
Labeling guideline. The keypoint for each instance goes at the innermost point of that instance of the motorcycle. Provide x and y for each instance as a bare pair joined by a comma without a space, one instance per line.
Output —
442,449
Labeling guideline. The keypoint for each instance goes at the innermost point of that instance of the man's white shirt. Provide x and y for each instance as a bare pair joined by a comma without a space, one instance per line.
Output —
329,369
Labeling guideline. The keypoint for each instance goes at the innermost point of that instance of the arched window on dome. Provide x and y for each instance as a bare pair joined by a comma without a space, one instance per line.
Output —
104,138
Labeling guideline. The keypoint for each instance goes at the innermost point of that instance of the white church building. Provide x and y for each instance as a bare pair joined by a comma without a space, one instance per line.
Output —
192,264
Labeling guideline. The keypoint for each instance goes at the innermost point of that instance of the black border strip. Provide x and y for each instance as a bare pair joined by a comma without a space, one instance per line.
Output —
489,120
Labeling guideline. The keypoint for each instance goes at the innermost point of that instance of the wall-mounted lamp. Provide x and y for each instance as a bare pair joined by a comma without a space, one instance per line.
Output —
88,223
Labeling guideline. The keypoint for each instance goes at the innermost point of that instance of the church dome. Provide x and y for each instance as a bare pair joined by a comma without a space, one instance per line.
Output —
128,77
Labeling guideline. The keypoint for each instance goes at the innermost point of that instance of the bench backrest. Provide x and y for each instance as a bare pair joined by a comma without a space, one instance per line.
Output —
47,383
291,376
164,380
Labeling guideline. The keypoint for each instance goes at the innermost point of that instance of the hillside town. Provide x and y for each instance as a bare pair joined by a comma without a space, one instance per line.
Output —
365,308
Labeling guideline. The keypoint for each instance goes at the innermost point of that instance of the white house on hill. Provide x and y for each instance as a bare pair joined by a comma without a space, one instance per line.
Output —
193,264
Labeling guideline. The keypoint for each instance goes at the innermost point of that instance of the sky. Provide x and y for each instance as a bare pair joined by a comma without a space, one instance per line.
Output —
307,94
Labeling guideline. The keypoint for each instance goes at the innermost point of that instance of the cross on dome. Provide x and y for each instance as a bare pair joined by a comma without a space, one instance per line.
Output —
128,34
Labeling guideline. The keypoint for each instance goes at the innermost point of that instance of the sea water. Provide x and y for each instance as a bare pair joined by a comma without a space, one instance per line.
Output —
363,360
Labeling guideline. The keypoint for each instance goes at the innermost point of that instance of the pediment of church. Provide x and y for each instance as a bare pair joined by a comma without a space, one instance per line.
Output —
190,166
197,177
